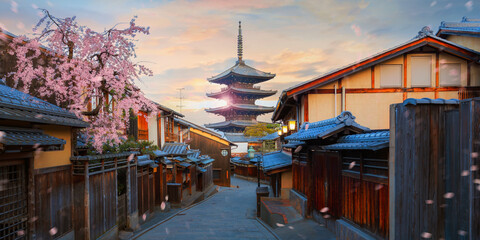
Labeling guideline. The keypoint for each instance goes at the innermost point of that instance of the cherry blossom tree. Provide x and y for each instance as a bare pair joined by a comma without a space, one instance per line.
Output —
90,73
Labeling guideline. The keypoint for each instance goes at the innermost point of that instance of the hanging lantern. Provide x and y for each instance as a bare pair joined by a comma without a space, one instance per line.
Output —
292,124
279,132
285,129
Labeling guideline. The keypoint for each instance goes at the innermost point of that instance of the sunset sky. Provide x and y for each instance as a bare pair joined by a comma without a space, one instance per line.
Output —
192,40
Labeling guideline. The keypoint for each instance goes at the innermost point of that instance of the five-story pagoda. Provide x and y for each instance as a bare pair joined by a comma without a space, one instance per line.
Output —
240,94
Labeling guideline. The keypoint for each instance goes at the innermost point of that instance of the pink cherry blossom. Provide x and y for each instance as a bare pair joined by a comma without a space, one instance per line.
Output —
77,65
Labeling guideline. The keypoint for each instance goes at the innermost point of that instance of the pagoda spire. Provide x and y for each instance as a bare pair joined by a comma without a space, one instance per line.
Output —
240,42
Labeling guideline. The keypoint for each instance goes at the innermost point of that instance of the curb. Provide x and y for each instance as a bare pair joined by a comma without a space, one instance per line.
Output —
268,228
177,213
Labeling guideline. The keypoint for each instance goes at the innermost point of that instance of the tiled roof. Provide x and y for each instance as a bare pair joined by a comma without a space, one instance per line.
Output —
468,26
184,164
243,107
167,109
249,91
205,159
159,153
236,123
326,128
175,148
293,144
414,101
239,137
29,137
202,170
269,137
16,105
242,69
194,153
238,160
365,141
276,160
204,129
144,160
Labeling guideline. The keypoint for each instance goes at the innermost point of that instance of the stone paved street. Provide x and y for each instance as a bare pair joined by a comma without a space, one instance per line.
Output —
229,214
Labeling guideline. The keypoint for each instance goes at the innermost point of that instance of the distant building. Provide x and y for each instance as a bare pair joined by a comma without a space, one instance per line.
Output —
240,95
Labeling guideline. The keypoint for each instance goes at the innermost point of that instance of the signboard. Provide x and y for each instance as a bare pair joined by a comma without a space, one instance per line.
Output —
224,152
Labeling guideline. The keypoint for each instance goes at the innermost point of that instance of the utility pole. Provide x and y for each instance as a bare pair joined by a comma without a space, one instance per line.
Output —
180,98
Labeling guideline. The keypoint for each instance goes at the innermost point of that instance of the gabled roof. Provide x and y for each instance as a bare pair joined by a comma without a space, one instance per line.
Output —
293,144
239,137
327,128
19,138
178,149
269,137
424,38
234,123
375,140
466,27
166,109
16,105
276,160
241,71
211,134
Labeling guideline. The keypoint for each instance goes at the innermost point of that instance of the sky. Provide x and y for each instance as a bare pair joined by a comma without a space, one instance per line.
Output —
192,40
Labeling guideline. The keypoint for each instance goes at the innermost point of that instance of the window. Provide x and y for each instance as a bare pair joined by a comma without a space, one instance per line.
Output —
450,74
390,75
421,71
216,174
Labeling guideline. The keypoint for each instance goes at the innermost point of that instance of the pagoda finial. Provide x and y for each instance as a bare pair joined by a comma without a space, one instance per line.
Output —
240,42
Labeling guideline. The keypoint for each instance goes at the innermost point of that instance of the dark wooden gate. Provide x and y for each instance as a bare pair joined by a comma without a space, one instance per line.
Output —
326,171
13,199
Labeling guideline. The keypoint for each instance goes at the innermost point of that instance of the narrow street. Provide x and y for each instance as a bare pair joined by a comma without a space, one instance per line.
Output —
229,214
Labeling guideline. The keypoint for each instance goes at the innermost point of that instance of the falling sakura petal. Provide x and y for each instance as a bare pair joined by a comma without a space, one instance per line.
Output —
474,168
38,116
324,210
469,5
36,145
306,127
291,227
14,6
130,158
429,202
443,205
326,216
280,225
465,173
352,164
474,154
144,216
449,195
2,135
33,219
378,187
433,3
478,187
426,235
53,231
477,181
218,188
20,233
166,198
462,233
162,206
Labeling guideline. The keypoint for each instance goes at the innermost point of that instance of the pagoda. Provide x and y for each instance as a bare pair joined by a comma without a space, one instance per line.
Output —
240,94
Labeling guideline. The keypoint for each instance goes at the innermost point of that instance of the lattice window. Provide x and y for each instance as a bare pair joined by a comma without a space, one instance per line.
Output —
13,202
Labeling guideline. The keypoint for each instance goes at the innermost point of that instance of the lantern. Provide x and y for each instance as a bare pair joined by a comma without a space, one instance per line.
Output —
251,152
279,132
292,124
285,129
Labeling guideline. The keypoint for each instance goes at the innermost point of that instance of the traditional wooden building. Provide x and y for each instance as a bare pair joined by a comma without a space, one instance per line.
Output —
212,144
36,190
278,166
426,66
240,94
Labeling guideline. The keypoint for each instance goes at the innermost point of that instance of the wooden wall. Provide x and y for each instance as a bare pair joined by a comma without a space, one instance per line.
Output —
326,189
213,149
419,170
53,201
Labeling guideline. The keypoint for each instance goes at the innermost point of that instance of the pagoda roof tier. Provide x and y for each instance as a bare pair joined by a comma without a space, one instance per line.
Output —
231,123
241,72
252,92
242,107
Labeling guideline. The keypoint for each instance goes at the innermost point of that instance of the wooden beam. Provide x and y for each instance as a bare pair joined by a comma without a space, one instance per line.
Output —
373,76
437,73
390,90
469,64
404,70
305,108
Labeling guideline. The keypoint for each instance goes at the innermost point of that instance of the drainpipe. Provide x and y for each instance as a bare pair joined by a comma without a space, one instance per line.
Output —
343,99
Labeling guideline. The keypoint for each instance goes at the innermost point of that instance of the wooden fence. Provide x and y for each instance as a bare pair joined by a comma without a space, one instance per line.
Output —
145,190
433,193
301,173
95,193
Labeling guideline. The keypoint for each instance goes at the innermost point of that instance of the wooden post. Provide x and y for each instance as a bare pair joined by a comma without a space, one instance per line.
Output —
391,175
31,198
86,202
103,196
129,198
116,188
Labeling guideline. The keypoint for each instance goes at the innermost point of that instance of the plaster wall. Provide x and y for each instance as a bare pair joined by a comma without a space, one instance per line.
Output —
55,158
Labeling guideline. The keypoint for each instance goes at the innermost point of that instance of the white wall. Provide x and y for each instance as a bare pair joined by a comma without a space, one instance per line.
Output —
153,129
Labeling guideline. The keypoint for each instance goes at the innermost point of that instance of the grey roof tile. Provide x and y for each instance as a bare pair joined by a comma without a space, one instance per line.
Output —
241,69
293,144
365,141
16,105
239,137
28,137
269,137
175,148
415,101
325,128
276,160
